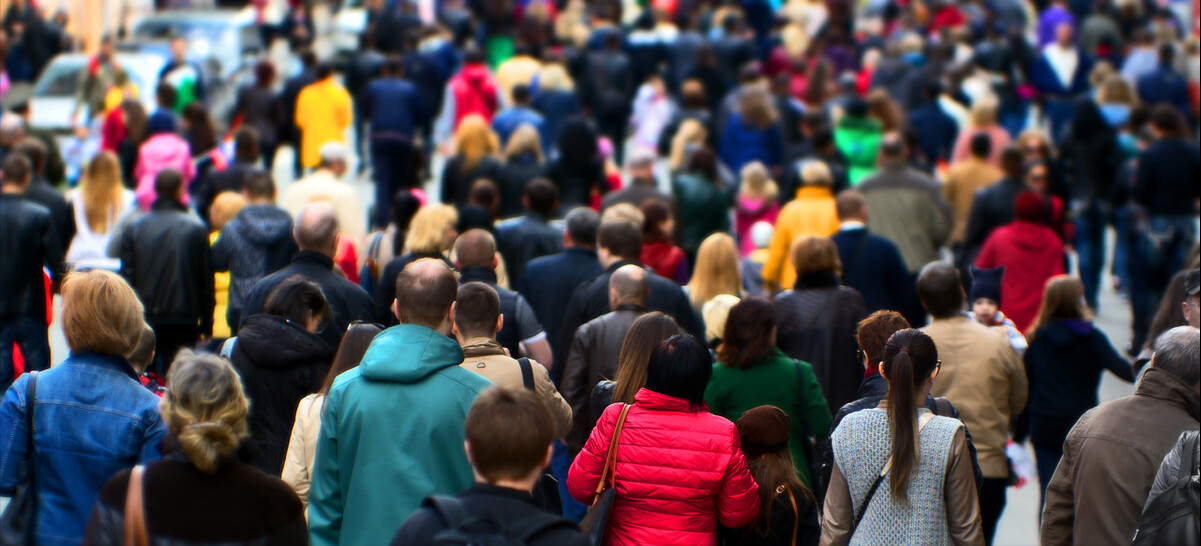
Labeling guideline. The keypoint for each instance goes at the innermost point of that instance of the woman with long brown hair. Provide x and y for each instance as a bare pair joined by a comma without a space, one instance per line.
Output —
1064,363
476,156
100,202
645,334
901,474
752,372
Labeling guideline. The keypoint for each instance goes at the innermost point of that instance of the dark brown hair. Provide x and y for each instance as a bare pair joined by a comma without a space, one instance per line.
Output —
773,471
811,254
476,309
643,336
622,239
873,333
746,340
508,431
909,358
350,352
656,212
425,290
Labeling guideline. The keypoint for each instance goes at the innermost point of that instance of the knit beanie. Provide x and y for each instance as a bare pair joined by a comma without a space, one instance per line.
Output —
763,430
986,283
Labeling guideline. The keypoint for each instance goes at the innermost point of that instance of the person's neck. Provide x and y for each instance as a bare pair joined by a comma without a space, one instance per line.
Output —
9,189
259,201
525,484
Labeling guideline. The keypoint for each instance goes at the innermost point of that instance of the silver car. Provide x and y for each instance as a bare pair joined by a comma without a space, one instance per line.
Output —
53,97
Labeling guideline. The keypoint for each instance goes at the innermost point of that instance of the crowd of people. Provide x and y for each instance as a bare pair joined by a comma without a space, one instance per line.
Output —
739,272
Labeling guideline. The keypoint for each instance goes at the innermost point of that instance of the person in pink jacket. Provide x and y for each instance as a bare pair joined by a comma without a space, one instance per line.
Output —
679,469
163,149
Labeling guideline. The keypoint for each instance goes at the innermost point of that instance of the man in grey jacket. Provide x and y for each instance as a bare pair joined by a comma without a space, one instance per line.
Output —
906,206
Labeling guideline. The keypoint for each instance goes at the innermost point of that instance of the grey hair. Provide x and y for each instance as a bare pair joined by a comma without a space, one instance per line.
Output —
316,227
1178,352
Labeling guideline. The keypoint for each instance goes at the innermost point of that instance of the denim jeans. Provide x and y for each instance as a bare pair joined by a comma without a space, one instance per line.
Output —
560,463
28,333
1090,220
395,168
1047,457
1161,246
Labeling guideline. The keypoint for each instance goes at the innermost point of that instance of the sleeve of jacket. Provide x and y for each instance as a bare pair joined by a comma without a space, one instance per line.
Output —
940,219
221,252
777,251
302,104
816,410
838,516
207,288
1059,508
296,468
325,492
977,228
55,259
585,471
345,110
959,490
152,441
828,453
575,373
559,408
126,254
1111,360
573,318
738,500
14,429
1019,387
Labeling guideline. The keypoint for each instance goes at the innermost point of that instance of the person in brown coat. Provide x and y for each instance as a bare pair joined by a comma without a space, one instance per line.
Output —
597,345
1112,454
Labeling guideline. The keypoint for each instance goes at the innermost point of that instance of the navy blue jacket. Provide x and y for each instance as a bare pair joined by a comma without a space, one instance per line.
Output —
873,265
394,109
937,134
549,281
1164,85
520,240
1166,181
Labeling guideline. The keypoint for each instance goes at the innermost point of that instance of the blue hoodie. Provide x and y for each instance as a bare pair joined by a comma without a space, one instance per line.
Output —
391,435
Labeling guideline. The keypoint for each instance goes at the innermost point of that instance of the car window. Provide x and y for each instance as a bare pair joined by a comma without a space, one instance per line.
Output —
59,80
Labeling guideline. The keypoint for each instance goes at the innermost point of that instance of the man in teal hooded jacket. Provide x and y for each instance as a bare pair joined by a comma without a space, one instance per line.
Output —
392,428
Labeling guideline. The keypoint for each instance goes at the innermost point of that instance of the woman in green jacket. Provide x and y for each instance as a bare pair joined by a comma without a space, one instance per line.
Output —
752,372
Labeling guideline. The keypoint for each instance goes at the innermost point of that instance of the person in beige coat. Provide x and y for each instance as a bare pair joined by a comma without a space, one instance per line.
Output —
302,448
476,320
981,375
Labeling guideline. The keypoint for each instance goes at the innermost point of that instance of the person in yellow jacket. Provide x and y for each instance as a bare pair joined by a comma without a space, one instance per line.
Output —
323,114
225,206
811,213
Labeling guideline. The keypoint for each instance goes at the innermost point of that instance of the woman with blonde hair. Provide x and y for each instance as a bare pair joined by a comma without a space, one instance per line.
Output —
1064,364
691,135
431,234
100,203
984,120
758,201
716,271
751,132
524,162
205,410
476,150
91,415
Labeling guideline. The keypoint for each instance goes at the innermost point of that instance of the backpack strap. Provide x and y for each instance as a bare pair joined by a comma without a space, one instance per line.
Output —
527,374
525,530
449,508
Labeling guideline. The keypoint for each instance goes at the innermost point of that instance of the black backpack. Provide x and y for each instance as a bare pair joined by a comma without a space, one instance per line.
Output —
462,530
1172,516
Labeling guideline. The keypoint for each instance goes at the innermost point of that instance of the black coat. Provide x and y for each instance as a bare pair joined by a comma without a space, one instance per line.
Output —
233,178
165,257
873,266
511,181
591,300
27,242
348,301
783,521
61,212
247,507
280,363
550,280
456,181
817,323
991,208
1166,181
490,503
521,240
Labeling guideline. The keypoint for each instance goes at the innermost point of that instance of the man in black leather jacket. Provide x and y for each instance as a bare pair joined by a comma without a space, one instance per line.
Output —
28,241
165,256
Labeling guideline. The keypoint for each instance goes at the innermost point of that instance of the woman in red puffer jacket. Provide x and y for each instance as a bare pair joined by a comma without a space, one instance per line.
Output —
679,469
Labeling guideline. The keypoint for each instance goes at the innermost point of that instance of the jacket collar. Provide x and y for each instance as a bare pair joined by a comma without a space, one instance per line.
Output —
810,281
495,491
482,346
312,256
477,273
1159,384
873,385
651,400
111,362
630,307
534,217
588,252
814,192
168,204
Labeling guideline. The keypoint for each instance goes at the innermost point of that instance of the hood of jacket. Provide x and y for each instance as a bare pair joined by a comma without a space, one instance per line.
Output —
475,74
165,149
265,225
409,353
272,342
1030,237
1066,332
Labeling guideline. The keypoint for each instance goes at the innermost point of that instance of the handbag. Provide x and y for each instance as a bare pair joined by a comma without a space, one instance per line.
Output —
598,515
18,523
135,514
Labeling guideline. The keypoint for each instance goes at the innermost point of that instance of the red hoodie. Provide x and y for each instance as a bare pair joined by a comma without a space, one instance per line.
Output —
475,93
1031,254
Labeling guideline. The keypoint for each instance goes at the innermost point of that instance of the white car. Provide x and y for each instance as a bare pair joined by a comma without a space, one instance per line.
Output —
349,23
53,97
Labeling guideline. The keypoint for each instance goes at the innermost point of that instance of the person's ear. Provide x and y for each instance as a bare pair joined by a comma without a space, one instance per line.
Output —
467,450
880,367
550,453
495,261
500,322
396,310
937,370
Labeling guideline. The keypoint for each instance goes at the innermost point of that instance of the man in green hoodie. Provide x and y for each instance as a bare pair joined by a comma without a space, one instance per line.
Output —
392,428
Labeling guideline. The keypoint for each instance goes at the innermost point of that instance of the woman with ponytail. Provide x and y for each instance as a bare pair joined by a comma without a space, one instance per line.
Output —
199,481
901,474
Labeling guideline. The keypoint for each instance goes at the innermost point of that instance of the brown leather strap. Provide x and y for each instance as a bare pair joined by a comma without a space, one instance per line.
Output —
135,517
796,523
611,456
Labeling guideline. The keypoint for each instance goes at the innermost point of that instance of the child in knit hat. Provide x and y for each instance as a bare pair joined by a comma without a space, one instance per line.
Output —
986,306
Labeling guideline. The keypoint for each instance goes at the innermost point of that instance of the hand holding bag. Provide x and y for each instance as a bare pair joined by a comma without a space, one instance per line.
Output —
598,515
18,523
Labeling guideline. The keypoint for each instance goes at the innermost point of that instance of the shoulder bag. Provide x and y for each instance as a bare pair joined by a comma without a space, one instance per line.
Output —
594,523
18,523
135,515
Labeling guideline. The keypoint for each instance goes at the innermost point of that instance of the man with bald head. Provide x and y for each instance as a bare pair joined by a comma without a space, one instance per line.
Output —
521,334
316,232
392,428
596,347
165,257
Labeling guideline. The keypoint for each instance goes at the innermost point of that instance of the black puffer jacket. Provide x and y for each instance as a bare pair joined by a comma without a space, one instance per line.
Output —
280,362
257,242
27,242
165,257
235,506
817,324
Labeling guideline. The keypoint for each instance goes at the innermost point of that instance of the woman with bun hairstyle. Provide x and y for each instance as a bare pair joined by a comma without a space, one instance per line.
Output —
901,474
199,493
